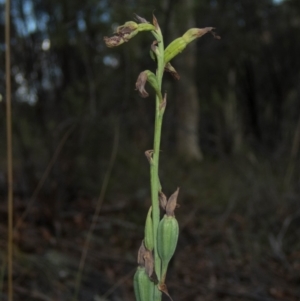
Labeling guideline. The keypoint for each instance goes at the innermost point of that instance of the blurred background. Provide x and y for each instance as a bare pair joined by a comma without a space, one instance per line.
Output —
230,141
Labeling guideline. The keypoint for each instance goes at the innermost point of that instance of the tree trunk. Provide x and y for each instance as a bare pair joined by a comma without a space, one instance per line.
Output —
186,97
231,114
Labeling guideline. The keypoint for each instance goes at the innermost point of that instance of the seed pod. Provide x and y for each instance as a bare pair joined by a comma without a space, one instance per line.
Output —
149,242
179,44
167,237
143,286
174,48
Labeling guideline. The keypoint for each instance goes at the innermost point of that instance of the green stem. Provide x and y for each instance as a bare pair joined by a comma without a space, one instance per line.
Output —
154,167
155,186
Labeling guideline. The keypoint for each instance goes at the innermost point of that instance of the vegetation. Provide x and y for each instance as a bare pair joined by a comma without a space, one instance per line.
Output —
161,235
230,138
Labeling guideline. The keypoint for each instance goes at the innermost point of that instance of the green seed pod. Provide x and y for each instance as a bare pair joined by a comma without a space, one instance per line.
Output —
149,242
167,237
174,48
179,44
143,286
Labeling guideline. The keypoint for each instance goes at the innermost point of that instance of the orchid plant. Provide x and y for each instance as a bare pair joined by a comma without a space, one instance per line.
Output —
161,234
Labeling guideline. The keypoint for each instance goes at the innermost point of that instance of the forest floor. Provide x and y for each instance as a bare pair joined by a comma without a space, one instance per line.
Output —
244,248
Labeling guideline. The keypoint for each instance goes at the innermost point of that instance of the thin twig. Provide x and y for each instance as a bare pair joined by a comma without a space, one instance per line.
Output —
97,211
9,154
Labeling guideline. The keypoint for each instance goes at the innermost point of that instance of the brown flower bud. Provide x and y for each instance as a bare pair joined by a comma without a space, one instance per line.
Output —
162,200
169,68
140,84
172,203
147,76
113,41
141,253
140,19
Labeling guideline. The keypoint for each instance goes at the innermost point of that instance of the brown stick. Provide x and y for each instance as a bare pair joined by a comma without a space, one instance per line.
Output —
9,154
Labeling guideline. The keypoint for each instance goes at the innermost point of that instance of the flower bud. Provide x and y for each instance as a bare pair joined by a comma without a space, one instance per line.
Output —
140,19
147,76
162,200
172,203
